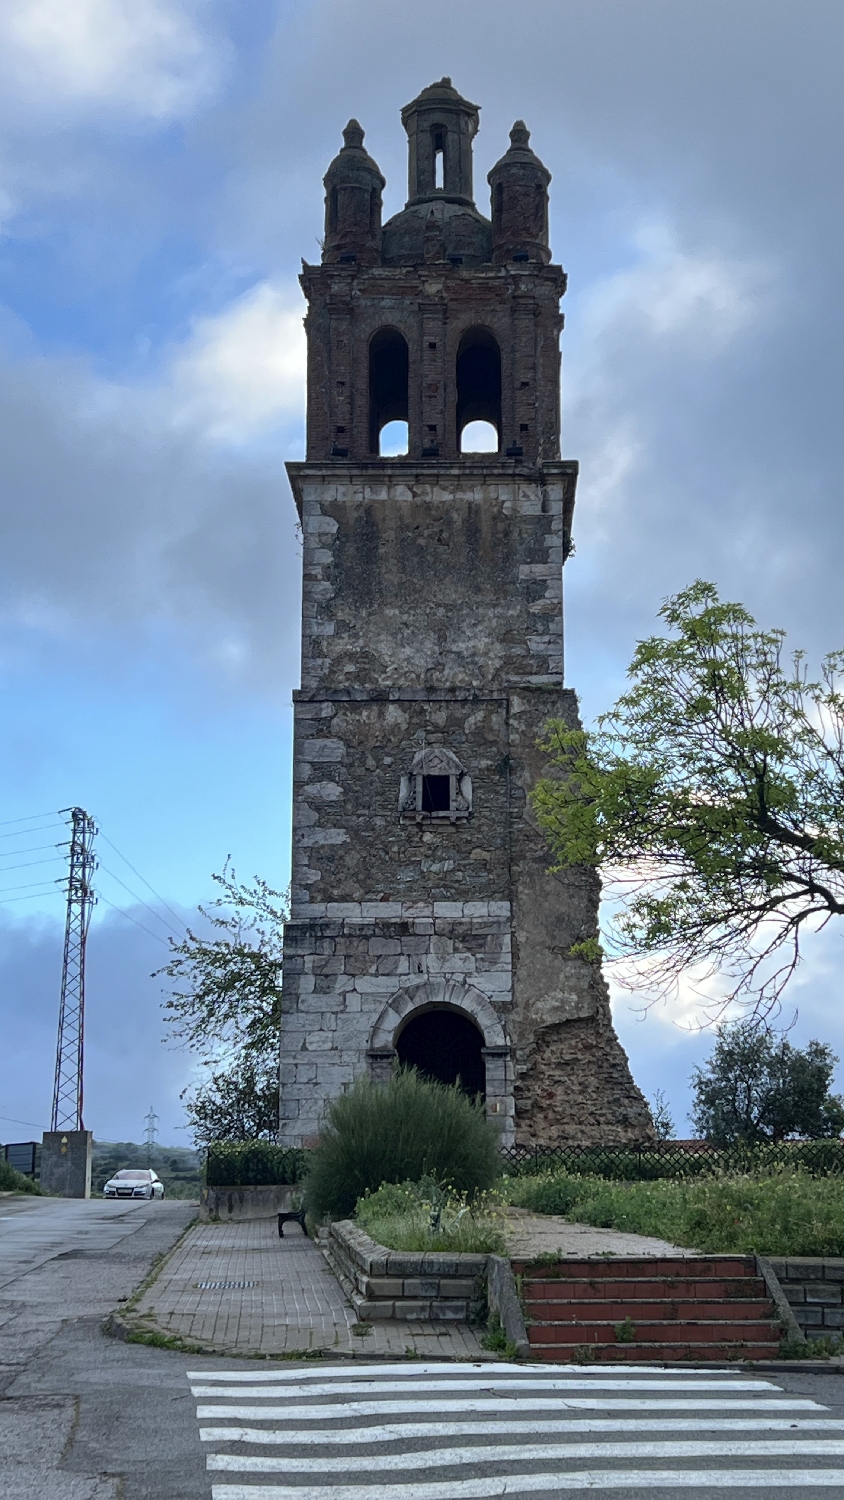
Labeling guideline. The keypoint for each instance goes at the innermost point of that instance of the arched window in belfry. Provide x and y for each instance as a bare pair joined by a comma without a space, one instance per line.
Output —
388,366
478,381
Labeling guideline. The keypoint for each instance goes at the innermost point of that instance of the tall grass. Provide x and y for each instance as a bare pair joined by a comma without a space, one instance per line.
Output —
399,1132
780,1213
416,1216
15,1182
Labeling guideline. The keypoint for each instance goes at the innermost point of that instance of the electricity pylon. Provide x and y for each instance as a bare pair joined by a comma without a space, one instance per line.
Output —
151,1123
67,1089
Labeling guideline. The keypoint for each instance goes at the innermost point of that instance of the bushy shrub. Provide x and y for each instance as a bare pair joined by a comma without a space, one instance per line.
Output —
399,1132
15,1182
253,1164
421,1216
785,1212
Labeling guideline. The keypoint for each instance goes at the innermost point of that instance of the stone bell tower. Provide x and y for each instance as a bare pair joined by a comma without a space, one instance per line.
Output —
424,924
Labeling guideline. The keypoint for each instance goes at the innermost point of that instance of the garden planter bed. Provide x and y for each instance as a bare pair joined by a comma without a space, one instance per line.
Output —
403,1284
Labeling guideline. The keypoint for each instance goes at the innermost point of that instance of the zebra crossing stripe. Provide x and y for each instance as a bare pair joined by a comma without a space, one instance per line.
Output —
547,1383
521,1484
504,1404
413,1431
444,1458
413,1371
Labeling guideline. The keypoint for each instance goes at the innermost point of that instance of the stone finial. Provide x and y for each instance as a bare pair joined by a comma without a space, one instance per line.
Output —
353,134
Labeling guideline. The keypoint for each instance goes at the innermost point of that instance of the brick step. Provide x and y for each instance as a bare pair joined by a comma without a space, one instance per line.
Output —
659,1309
616,1354
687,1267
641,1289
655,1332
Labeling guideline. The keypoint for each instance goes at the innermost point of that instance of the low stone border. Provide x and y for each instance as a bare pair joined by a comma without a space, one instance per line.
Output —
814,1289
403,1284
225,1205
503,1298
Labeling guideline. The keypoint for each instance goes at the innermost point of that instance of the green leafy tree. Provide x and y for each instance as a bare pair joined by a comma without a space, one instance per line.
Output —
711,797
224,1003
758,1087
664,1127
236,1103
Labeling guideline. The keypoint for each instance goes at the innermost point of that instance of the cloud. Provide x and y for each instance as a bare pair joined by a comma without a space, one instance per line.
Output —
241,373
142,58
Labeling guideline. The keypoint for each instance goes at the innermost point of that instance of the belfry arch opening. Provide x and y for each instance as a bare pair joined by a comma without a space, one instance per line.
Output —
388,376
445,1045
478,383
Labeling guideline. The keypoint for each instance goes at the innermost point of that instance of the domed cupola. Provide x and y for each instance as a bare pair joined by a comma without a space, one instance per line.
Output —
353,188
519,186
440,220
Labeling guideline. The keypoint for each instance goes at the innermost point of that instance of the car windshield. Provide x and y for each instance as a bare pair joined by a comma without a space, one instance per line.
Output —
131,1177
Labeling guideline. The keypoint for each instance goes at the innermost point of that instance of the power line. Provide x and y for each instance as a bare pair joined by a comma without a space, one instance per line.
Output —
33,818
45,892
24,832
135,897
31,886
29,865
122,913
144,881
33,849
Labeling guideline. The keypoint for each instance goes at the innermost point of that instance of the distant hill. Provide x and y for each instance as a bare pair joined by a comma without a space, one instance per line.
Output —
179,1168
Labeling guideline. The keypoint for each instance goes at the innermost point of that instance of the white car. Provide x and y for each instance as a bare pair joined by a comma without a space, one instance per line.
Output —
139,1182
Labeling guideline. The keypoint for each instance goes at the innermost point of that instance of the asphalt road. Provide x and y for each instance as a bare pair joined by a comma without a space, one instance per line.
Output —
86,1417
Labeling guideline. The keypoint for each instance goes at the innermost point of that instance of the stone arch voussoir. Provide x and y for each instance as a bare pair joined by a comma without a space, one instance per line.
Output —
453,993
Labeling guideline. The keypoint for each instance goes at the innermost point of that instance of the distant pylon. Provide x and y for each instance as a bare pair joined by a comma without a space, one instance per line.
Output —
67,1089
151,1122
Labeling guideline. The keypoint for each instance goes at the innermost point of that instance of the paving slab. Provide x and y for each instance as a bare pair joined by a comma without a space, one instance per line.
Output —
239,1289
530,1235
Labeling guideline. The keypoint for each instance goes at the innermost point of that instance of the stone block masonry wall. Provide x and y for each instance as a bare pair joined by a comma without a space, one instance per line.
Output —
815,1289
354,970
403,1284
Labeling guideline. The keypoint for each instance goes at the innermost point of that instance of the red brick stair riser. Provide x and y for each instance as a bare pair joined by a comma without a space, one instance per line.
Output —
710,1308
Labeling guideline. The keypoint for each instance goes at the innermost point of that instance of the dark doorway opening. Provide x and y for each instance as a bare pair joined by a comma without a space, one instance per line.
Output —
445,1045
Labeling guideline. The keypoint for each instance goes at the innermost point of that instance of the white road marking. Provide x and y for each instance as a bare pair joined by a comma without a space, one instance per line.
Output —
348,1409
412,1371
549,1383
443,1458
412,1431
520,1484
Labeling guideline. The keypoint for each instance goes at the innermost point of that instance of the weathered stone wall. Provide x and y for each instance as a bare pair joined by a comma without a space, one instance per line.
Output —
433,617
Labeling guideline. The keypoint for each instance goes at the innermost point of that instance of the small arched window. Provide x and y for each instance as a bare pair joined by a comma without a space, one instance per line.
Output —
478,381
388,370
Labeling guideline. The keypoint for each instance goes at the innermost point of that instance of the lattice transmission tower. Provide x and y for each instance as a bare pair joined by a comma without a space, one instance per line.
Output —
151,1124
67,1089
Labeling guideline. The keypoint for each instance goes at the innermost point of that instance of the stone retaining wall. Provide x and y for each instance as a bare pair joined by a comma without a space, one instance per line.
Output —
814,1287
225,1204
409,1285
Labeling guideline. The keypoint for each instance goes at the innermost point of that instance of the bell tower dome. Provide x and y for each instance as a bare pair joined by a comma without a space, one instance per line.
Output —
425,928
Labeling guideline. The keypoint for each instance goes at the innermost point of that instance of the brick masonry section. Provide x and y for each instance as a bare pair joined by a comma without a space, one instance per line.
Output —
815,1289
387,1284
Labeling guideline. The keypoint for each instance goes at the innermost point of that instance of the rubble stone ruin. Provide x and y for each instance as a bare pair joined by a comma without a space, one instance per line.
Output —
425,926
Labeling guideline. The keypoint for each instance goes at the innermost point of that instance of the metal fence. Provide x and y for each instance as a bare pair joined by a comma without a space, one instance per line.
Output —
24,1156
647,1162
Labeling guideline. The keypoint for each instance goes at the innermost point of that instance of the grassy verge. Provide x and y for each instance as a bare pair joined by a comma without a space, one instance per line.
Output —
400,1217
783,1213
15,1182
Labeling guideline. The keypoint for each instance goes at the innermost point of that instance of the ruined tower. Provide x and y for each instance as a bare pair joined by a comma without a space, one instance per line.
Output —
424,924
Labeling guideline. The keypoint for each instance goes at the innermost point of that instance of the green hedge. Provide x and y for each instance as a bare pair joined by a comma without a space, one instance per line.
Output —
253,1164
15,1182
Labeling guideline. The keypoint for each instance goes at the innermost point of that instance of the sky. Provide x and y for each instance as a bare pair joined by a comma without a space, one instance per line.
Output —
161,168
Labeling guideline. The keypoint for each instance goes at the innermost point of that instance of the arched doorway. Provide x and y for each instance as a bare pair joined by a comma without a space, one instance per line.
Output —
445,1045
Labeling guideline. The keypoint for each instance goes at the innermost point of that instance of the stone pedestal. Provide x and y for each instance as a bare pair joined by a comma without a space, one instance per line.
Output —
66,1163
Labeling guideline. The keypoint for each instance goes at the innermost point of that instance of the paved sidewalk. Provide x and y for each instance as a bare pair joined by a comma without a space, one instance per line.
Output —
238,1289
529,1235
